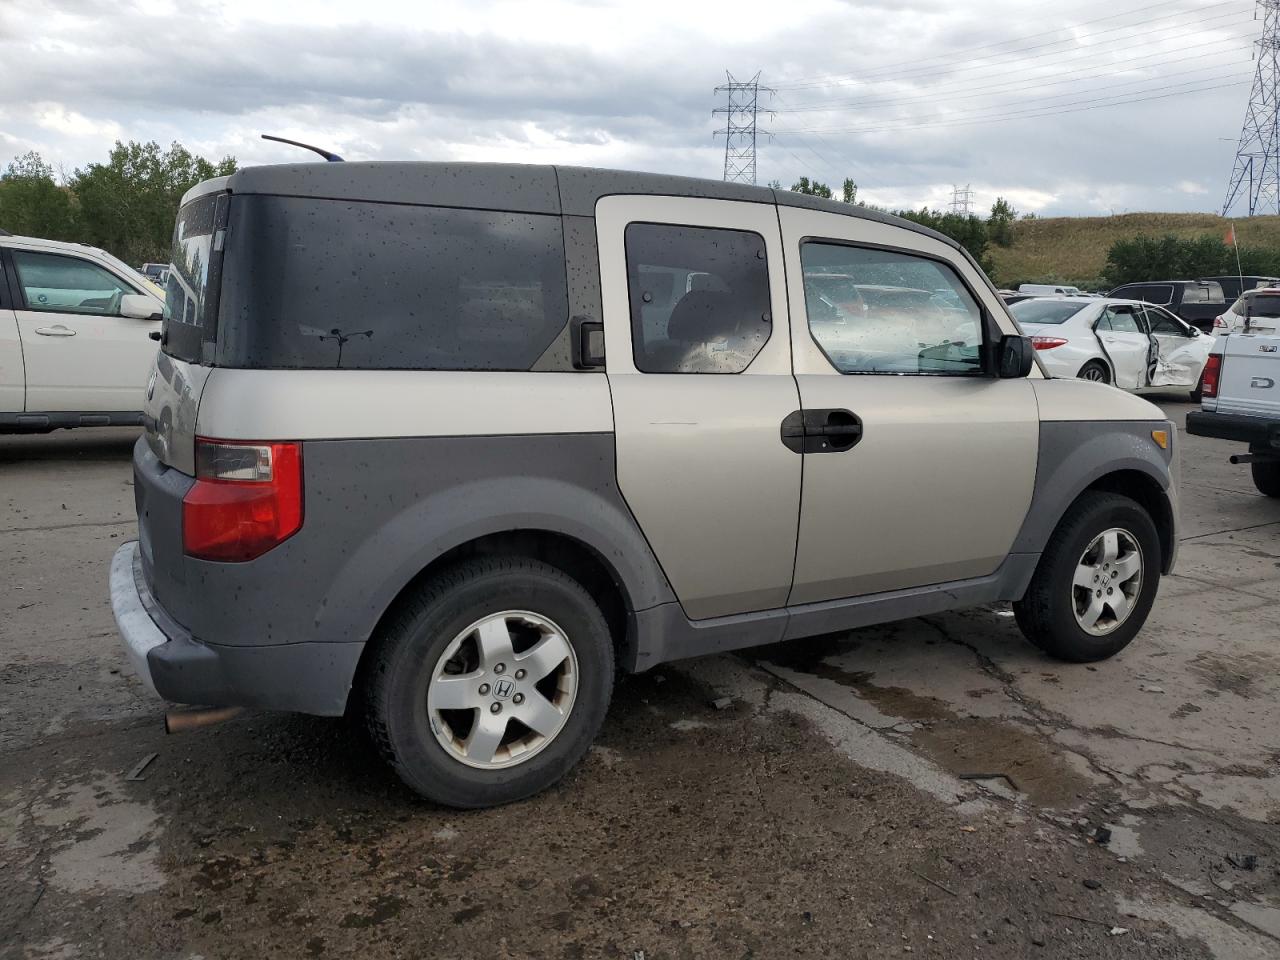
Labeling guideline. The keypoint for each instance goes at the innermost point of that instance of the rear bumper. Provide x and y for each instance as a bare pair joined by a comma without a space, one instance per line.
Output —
1255,431
310,678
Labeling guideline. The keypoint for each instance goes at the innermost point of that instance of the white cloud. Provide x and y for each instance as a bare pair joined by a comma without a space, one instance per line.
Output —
986,93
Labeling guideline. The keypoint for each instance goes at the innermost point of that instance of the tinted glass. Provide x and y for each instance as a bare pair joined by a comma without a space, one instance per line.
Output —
1160,294
1045,311
62,284
188,319
1261,306
890,313
699,298
325,283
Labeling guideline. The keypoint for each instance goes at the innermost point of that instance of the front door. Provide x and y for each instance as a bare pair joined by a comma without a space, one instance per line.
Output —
927,469
699,366
80,353
1180,350
1123,336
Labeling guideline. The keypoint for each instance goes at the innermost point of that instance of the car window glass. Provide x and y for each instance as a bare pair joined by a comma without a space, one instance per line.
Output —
62,284
1121,320
699,298
310,283
1162,323
880,311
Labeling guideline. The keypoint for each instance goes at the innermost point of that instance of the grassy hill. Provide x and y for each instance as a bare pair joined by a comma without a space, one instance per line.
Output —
1074,249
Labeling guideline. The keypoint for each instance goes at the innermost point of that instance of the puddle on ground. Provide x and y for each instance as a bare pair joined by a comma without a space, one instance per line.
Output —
965,746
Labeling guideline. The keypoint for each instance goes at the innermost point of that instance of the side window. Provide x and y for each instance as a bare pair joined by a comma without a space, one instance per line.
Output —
879,311
1162,323
1120,319
699,298
63,284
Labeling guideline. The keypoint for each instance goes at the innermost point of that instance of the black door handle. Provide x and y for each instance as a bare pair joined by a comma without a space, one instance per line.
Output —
821,431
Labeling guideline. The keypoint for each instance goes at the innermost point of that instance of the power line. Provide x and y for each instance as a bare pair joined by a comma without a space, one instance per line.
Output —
1038,103
879,73
1026,115
1256,171
1021,84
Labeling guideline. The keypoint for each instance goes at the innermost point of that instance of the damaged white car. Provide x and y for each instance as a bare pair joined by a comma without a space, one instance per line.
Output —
1133,345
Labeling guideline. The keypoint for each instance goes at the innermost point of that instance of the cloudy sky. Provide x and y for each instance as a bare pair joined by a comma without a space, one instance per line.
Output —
1073,106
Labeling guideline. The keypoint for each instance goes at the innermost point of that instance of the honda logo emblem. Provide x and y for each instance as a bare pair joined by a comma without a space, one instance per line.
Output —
502,689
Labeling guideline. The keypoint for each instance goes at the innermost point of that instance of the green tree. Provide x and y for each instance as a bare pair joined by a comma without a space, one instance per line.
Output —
814,189
850,191
1144,257
127,205
32,203
968,230
1000,223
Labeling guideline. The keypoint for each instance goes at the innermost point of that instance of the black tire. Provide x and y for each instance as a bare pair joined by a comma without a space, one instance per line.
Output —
1266,477
408,649
1046,615
1096,367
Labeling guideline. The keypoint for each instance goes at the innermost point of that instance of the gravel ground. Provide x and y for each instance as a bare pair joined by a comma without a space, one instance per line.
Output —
830,811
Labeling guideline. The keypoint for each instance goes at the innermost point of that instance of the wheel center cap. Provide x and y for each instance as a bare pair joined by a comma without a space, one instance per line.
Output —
503,688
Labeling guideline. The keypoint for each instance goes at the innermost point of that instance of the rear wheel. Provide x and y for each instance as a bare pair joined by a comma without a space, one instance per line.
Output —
1096,371
1096,581
490,684
1266,477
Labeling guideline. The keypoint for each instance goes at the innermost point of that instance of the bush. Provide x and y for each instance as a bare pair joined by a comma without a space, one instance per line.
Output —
1169,257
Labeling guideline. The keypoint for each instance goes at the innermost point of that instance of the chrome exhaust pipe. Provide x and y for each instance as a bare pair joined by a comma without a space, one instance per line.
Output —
179,721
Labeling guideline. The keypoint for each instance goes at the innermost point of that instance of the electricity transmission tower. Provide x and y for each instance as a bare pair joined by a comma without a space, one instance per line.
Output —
740,126
1256,173
962,197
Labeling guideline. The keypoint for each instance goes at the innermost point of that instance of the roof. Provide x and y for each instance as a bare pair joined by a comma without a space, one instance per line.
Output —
40,242
511,187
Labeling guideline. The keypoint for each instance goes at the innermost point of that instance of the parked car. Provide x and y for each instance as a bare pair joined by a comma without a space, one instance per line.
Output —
564,422
1049,290
1241,402
1232,287
155,272
78,332
1197,302
1258,309
1133,345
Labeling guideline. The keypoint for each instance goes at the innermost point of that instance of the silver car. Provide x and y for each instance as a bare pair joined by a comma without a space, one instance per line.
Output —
451,445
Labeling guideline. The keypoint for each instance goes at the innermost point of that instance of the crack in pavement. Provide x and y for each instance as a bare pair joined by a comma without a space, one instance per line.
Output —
70,526
1218,533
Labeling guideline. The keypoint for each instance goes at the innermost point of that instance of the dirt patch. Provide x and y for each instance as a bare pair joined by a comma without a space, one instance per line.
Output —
1234,674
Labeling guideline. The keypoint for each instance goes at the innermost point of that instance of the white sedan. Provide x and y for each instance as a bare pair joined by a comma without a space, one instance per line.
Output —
1133,345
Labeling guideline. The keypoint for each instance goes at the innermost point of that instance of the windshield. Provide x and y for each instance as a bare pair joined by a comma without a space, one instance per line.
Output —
1045,311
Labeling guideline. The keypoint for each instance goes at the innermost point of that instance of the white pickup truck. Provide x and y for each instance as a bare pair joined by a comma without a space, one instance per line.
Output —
78,335
1240,400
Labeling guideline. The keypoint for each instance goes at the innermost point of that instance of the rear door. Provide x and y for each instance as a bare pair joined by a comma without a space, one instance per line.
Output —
1180,350
1250,381
12,375
80,353
1124,338
699,366
925,466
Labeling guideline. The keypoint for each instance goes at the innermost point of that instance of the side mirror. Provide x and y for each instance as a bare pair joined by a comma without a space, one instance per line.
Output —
1016,357
135,306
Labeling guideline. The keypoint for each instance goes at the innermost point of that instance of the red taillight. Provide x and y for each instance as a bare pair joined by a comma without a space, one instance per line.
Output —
247,498
1047,343
1220,323
1209,378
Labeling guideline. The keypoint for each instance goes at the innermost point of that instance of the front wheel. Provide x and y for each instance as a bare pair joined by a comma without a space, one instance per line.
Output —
1096,371
491,683
1266,477
1096,581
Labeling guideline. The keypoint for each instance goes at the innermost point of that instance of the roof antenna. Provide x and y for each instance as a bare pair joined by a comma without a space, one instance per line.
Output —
331,157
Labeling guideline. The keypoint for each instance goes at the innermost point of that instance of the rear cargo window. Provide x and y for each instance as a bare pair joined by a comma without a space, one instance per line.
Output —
321,284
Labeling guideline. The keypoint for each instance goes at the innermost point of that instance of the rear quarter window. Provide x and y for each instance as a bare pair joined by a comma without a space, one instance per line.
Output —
323,284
